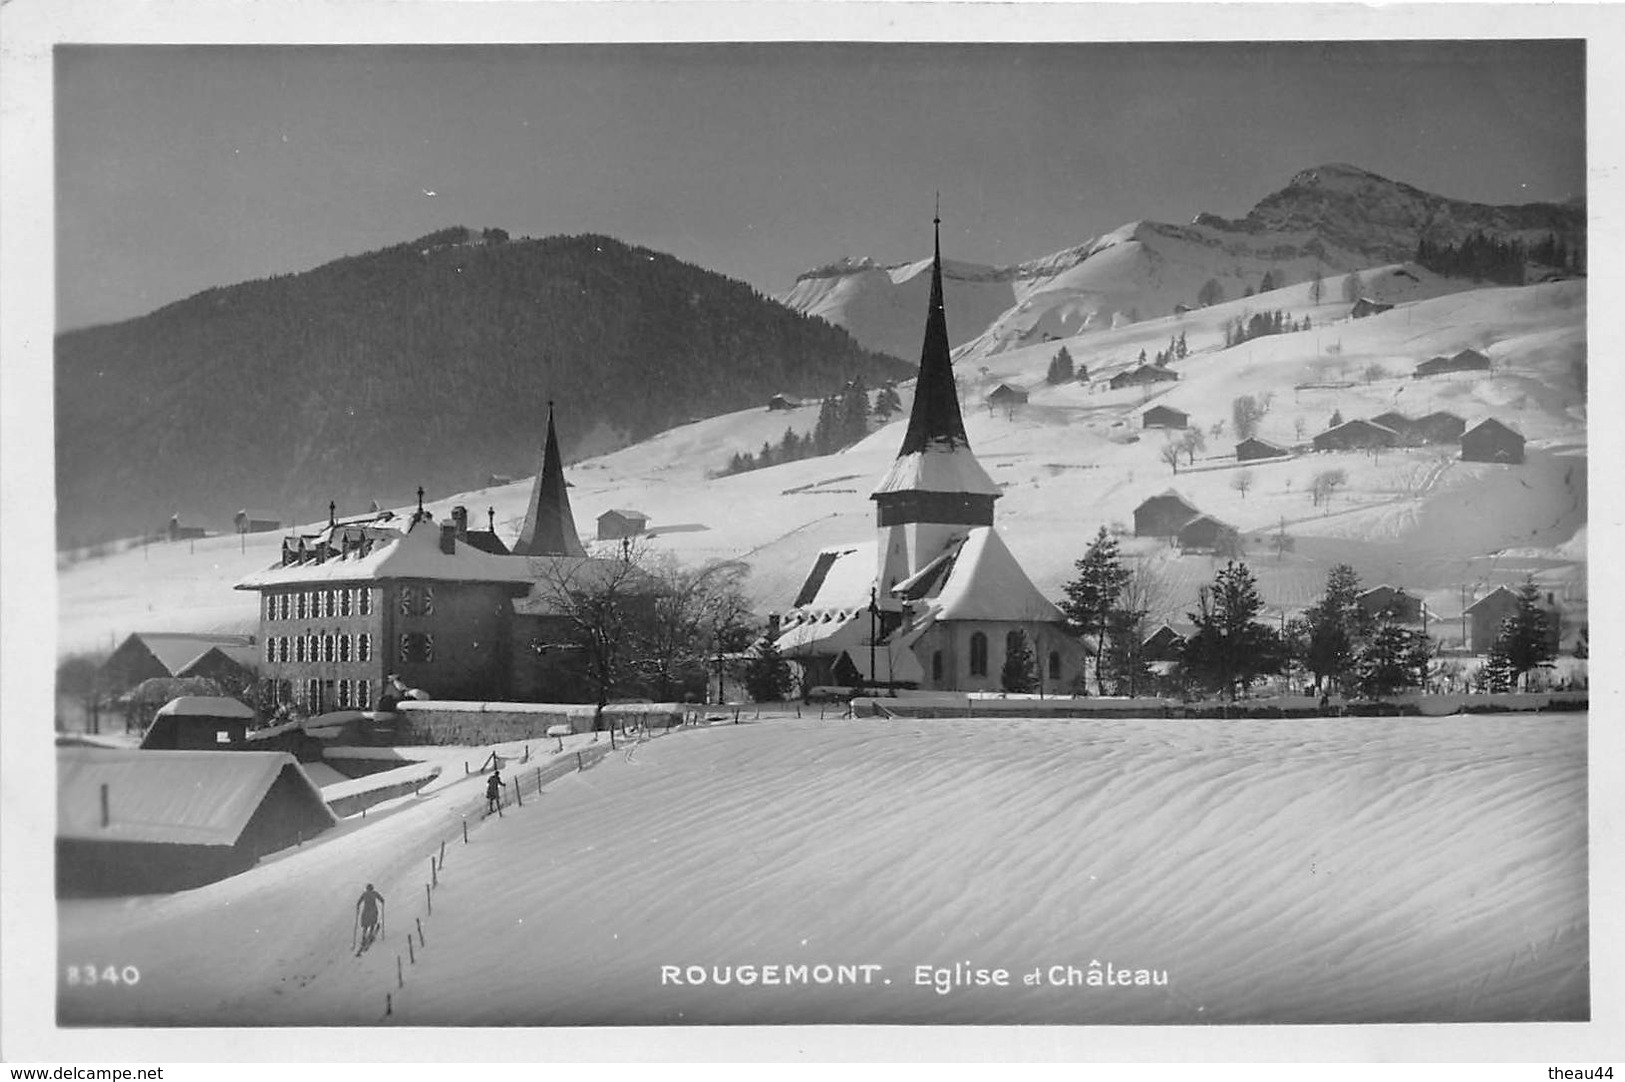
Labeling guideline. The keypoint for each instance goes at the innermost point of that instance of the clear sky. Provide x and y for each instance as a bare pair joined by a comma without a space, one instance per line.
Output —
184,167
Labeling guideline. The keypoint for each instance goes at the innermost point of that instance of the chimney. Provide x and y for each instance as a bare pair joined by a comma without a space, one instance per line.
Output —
448,537
459,515
773,626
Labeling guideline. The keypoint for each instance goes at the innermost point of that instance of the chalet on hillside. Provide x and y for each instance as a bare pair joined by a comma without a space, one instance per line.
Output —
1468,360
250,521
1388,603
1395,420
1356,435
1162,516
1438,427
1252,449
779,402
141,822
1165,417
1485,616
229,667
1204,533
1005,396
1144,374
1365,306
618,523
1491,441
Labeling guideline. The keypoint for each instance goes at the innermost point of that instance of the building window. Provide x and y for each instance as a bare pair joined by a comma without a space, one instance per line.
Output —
330,601
427,608
344,648
428,647
344,694
363,600
270,648
978,654
318,605
270,606
936,666
363,694
313,696
363,647
1054,664
287,606
302,607
344,602
221,736
282,648
409,598
327,647
299,648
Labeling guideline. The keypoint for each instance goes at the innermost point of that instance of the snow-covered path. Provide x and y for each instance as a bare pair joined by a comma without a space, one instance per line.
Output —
1321,871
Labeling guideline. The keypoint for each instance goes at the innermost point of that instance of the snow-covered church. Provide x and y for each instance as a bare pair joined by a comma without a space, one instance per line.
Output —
936,601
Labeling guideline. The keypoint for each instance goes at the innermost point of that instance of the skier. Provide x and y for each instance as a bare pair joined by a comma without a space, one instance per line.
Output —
368,906
493,792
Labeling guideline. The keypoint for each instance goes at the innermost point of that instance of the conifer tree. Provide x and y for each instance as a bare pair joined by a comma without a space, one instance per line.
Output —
767,675
1524,638
1230,647
887,401
1091,597
1060,368
1020,672
1393,659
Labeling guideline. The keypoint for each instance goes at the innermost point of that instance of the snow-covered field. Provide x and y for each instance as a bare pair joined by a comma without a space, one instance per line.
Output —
1353,870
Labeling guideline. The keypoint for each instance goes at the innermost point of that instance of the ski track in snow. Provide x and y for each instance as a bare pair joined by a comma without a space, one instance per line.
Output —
1357,870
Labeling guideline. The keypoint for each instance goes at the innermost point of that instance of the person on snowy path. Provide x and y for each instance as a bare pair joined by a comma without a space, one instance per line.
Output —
370,906
493,791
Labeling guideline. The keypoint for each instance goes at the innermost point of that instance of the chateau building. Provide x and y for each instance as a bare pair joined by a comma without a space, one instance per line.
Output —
937,600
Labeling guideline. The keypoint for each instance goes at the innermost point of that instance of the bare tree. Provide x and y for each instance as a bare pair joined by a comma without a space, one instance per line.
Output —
1192,442
1170,454
603,603
1242,481
1374,372
1245,413
1324,484
1281,541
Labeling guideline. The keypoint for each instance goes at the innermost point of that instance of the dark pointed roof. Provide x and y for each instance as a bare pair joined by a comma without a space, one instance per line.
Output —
935,418
550,528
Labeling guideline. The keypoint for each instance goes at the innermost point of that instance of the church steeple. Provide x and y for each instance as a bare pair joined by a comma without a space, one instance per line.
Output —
935,420
550,528
935,490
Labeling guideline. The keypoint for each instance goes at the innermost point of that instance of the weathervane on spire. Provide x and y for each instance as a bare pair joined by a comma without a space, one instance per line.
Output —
936,218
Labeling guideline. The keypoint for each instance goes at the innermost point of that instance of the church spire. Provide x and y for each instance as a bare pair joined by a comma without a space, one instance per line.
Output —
550,528
934,420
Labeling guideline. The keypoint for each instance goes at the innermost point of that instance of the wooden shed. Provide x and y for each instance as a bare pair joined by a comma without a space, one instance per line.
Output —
621,522
1145,373
1365,306
1438,427
1005,396
1252,449
1491,441
1205,533
1468,360
1390,603
142,822
1356,435
1165,417
198,723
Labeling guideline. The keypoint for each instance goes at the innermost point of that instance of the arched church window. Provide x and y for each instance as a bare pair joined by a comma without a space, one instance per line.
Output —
1054,664
978,654
936,666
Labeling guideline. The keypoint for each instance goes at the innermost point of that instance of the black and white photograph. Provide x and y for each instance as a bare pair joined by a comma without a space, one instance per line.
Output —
1071,522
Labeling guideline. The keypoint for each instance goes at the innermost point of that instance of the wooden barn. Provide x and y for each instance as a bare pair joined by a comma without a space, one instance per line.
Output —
617,523
1252,449
1468,360
198,723
779,402
1204,533
231,668
148,654
1365,306
1144,374
1438,427
1491,441
1162,516
1165,417
251,521
1397,421
1356,435
1388,603
1005,396
186,529
143,822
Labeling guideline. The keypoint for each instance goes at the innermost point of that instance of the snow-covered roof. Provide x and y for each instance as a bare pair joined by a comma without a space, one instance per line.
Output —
205,706
841,578
938,469
176,651
894,663
986,583
414,555
180,797
822,631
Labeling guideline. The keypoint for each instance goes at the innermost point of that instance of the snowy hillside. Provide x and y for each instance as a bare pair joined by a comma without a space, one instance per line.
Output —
1359,870
1077,457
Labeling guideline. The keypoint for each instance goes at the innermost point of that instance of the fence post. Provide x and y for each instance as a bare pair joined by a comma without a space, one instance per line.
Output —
434,875
400,977
389,1004
538,781
442,852
430,896
518,792
410,953
578,760
465,830
421,943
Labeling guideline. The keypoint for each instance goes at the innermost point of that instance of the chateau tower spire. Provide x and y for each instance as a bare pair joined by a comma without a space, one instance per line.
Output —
550,528
935,420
